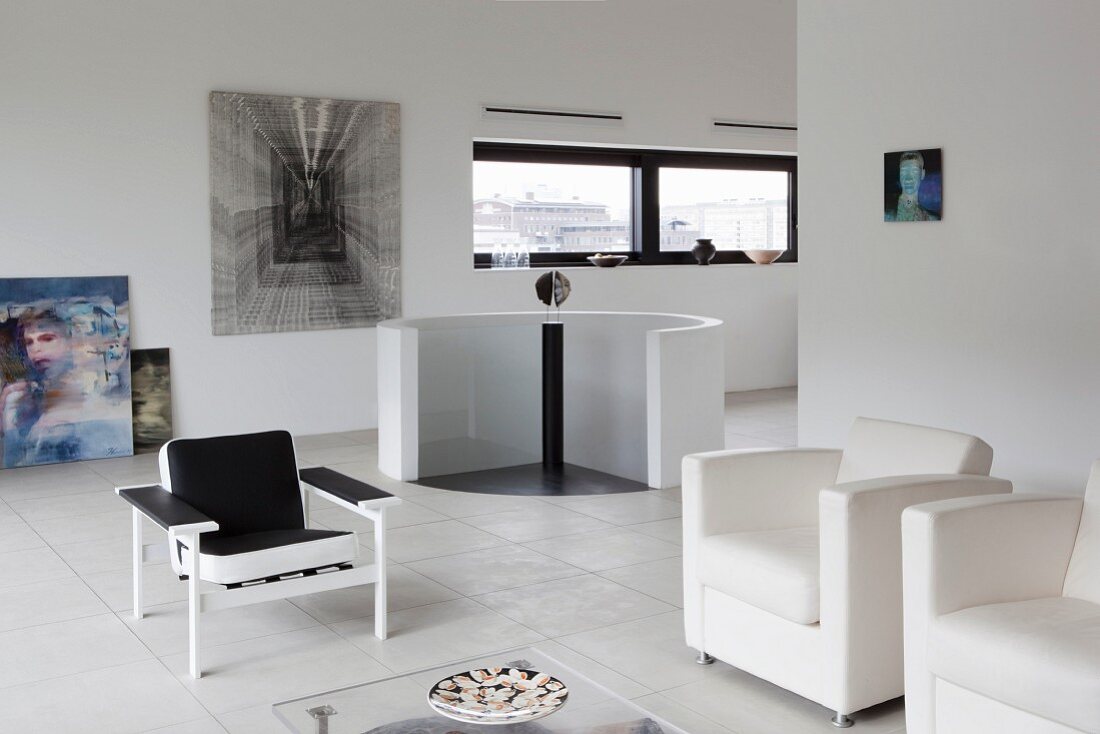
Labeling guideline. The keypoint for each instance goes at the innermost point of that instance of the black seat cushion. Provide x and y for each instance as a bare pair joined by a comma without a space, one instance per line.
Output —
231,545
247,483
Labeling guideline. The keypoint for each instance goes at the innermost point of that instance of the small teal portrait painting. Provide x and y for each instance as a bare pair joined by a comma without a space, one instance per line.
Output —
913,185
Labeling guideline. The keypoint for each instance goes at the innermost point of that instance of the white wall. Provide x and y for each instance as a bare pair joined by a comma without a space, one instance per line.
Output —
986,322
103,143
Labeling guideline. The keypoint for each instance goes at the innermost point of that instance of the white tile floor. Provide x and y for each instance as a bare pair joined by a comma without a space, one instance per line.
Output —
468,575
762,418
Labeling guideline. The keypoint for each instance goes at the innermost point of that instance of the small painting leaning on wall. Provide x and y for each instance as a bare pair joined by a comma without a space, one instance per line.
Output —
913,185
64,370
152,396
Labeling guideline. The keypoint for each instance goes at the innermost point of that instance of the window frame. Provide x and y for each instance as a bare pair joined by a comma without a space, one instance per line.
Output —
645,205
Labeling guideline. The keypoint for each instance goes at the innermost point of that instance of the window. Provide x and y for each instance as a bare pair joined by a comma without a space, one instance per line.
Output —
565,203
737,209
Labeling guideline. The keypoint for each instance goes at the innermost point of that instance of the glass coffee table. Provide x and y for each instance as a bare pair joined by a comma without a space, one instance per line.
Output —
399,705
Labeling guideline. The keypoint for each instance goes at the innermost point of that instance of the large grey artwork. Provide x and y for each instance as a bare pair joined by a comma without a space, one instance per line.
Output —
305,213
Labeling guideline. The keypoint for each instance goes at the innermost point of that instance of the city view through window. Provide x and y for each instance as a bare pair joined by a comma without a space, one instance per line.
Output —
552,207
563,208
739,210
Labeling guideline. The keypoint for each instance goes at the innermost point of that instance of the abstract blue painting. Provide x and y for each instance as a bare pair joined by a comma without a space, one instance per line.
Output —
64,370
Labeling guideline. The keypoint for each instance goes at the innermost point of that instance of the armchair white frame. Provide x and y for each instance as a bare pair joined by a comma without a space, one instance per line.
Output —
845,654
1023,573
184,526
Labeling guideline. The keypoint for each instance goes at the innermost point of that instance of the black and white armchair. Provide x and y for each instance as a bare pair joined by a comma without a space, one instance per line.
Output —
236,511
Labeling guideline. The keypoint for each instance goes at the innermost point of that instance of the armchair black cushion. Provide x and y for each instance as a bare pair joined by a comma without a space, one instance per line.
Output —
247,483
234,559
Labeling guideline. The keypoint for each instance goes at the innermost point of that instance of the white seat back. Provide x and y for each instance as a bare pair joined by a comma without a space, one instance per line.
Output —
878,448
1083,576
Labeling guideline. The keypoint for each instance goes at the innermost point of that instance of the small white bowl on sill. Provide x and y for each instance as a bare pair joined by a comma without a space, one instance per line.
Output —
606,261
764,257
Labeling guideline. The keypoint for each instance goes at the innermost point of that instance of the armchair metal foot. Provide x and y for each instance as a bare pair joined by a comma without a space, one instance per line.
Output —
704,659
841,721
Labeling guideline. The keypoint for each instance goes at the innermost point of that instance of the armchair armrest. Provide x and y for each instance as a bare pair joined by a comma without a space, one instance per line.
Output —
861,526
986,550
861,584
343,490
731,491
974,551
166,509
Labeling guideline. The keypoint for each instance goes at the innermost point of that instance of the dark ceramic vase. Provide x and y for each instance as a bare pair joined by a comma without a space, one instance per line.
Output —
704,251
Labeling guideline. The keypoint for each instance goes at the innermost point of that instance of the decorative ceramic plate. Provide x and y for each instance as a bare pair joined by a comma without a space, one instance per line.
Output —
498,695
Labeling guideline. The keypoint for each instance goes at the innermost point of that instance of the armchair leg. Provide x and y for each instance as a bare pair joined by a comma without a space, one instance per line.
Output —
139,609
194,605
704,658
380,583
841,721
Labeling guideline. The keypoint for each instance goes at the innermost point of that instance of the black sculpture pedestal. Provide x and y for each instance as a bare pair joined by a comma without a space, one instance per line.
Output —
553,394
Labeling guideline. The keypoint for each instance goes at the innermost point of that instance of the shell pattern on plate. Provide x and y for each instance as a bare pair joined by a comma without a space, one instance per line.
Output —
498,695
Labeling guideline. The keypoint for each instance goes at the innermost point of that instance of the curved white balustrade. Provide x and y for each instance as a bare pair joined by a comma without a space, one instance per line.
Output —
464,393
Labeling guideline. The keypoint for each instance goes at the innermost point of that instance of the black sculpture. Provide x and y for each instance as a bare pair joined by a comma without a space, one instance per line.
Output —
552,289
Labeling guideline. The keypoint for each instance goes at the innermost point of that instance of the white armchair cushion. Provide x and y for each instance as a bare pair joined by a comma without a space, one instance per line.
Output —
1040,655
773,570
878,448
253,556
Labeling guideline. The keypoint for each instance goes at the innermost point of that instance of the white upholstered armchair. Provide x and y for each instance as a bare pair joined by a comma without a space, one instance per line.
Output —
792,557
1002,614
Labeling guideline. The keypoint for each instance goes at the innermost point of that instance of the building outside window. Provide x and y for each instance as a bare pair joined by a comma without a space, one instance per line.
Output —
552,208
